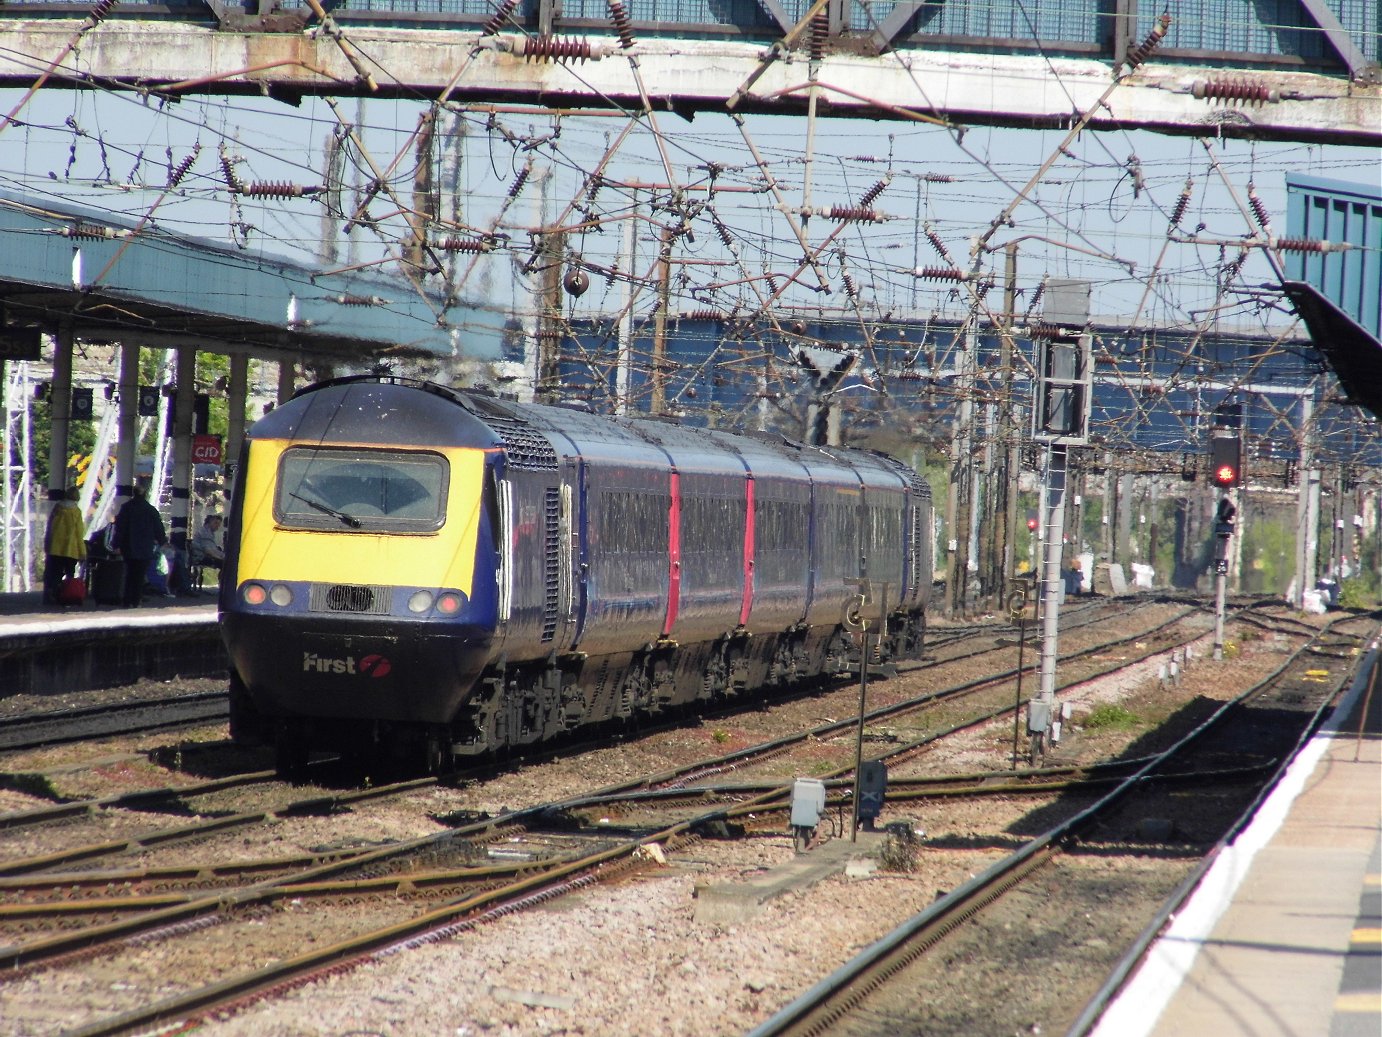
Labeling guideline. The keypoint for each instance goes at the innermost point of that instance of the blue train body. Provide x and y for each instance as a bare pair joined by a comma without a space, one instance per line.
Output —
433,572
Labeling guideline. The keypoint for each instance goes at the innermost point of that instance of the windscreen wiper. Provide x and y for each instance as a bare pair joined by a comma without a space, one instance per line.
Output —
325,509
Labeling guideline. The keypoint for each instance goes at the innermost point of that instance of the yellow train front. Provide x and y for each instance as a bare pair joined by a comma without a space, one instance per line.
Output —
358,598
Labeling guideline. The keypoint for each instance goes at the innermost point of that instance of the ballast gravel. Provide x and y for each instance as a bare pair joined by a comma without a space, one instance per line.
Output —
630,957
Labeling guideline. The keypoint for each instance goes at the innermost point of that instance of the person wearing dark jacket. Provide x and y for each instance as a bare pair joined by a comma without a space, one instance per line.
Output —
139,534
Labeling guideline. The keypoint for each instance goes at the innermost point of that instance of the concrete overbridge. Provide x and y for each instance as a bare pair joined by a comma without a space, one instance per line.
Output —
1300,70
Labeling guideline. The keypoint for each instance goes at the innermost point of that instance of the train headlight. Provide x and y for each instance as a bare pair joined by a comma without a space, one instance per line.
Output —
420,601
255,594
281,595
450,602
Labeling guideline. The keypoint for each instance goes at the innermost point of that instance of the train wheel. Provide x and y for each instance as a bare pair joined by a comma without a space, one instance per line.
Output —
247,726
437,752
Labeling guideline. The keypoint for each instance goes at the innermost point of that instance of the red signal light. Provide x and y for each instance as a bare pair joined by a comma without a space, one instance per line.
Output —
1032,524
1225,457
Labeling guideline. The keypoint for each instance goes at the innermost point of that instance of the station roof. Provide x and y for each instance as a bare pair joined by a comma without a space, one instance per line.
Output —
115,278
1351,352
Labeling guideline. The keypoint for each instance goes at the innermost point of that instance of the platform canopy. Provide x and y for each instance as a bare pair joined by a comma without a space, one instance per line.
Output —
113,280
1351,352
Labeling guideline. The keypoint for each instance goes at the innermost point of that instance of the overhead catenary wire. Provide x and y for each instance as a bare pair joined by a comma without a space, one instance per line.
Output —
877,285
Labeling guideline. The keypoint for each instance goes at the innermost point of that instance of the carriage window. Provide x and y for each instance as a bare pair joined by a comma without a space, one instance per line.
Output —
633,523
367,491
781,529
631,537
712,539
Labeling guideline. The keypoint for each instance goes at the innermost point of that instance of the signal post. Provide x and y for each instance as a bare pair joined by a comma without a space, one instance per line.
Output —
1225,472
1060,420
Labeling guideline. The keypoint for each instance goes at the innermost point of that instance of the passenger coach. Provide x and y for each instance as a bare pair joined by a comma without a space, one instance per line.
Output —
420,572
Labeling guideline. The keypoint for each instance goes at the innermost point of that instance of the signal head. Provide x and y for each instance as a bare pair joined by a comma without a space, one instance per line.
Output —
1223,519
1225,461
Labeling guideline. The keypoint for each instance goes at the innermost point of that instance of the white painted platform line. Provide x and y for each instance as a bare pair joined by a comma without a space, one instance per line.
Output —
1144,998
107,620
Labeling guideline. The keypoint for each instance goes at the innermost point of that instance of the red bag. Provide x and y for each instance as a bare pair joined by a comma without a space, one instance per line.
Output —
72,591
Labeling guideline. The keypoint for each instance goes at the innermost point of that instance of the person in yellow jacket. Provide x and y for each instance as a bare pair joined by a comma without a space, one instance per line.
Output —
63,545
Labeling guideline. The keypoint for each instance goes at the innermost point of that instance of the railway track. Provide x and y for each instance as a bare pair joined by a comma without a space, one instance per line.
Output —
173,756
445,879
876,992
40,728
181,796
147,913
56,727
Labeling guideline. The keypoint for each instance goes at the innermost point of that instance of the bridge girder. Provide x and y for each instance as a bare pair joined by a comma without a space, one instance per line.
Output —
692,76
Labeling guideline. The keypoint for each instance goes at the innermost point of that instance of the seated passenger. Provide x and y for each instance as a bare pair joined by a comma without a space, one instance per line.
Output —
206,545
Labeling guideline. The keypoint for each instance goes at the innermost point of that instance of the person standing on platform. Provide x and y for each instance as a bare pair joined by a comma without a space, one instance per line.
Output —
64,545
139,534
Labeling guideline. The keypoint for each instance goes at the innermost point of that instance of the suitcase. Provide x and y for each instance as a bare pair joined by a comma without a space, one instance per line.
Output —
72,591
108,582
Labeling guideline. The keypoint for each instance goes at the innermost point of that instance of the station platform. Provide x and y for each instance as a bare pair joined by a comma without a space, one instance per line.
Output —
51,650
29,605
1282,937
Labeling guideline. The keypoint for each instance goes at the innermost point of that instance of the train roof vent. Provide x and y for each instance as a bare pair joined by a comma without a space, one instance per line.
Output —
920,487
526,447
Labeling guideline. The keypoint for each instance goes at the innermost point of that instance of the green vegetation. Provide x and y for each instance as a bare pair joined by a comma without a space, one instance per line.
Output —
1269,551
1360,592
1112,716
1363,590
1092,520
81,437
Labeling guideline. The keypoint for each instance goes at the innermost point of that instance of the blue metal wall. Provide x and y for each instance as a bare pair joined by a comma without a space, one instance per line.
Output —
1329,210
1154,392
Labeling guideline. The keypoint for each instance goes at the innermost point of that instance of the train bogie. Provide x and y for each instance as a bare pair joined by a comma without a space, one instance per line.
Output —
421,567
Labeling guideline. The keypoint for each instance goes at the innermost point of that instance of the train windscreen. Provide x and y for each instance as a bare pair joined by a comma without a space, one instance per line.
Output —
351,490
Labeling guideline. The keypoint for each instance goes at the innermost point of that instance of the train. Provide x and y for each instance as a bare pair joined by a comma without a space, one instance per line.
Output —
418,573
